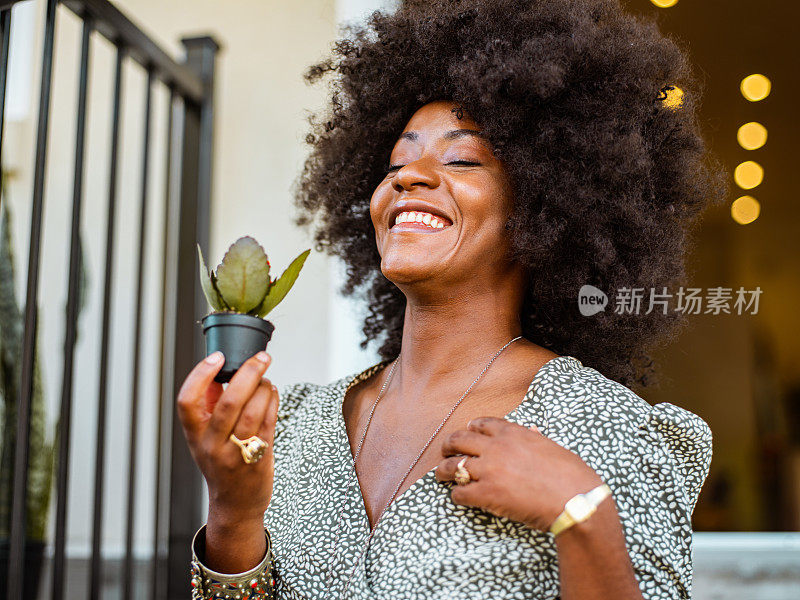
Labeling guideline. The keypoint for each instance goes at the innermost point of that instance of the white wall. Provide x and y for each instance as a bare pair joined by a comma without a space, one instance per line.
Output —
345,314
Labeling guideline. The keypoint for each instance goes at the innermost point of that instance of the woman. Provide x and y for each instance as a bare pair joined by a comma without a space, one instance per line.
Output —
533,141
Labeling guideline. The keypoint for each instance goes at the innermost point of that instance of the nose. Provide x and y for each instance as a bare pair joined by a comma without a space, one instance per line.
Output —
418,172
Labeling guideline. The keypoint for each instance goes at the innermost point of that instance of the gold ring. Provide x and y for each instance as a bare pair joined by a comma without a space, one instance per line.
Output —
461,475
253,448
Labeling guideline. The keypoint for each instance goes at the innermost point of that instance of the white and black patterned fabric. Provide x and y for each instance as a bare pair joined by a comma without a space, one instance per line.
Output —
654,458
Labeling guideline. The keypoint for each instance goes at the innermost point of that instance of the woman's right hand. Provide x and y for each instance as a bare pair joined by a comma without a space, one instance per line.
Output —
238,492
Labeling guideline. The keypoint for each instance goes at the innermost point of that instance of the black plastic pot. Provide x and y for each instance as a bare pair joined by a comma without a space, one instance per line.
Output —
237,336
32,573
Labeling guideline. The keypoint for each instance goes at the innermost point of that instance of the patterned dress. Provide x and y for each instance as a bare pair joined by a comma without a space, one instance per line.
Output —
654,458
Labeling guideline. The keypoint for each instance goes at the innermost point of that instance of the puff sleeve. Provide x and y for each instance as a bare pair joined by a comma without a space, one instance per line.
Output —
667,462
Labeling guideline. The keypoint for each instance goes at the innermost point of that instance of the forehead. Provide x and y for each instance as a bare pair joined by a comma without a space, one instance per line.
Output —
441,113
439,121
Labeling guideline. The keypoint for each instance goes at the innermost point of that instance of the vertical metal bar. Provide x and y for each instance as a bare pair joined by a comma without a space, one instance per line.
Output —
195,198
127,572
185,483
155,579
18,517
5,36
71,323
99,470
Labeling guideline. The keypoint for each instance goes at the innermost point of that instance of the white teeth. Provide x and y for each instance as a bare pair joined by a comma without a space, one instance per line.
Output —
420,217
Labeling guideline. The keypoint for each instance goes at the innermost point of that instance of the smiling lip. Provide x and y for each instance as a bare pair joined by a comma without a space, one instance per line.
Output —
415,227
417,205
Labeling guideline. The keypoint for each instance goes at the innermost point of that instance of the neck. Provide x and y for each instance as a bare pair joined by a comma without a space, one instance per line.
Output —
445,341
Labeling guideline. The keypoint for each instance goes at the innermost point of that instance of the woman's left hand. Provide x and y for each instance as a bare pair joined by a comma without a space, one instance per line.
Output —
515,471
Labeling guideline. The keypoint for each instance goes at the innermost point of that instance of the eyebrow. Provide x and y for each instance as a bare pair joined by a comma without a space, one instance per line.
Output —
454,134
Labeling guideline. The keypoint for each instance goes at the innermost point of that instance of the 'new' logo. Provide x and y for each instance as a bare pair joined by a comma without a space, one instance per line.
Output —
591,300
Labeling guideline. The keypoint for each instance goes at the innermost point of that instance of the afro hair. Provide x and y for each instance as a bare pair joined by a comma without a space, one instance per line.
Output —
608,178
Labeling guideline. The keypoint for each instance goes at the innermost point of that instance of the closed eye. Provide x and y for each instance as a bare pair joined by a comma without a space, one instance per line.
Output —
465,163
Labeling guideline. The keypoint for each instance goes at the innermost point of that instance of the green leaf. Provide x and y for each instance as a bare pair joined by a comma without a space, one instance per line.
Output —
216,290
243,276
208,287
281,286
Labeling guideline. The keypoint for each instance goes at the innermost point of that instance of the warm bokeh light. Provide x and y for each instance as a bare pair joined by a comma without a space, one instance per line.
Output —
748,174
755,87
674,98
664,3
745,210
752,135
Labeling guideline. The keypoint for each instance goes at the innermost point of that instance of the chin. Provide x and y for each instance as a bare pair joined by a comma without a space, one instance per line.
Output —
401,270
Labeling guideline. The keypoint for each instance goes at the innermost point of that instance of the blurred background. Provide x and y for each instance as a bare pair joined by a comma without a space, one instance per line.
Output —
741,373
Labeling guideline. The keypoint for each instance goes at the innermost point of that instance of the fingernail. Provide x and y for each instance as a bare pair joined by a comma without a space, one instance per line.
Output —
214,357
262,356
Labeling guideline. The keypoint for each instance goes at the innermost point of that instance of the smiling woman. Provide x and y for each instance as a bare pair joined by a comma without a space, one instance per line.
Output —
442,166
482,161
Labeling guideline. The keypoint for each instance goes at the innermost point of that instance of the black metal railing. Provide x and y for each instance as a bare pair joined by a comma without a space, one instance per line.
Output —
191,97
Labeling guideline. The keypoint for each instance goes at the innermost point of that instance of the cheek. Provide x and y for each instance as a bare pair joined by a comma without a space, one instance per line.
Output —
482,192
483,202
484,218
379,203
374,213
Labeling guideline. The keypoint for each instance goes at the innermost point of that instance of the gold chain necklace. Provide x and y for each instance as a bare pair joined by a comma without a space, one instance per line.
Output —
408,471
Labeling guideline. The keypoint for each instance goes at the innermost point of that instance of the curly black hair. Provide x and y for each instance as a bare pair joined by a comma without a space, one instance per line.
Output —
608,178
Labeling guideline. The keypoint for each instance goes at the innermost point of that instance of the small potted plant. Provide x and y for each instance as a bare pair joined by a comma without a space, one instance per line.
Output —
241,293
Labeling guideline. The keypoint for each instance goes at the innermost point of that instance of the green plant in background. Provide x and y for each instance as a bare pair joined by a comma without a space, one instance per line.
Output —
41,454
241,282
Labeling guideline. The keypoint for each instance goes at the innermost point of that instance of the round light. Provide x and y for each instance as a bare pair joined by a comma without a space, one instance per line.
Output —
755,87
748,174
674,98
745,210
752,135
664,3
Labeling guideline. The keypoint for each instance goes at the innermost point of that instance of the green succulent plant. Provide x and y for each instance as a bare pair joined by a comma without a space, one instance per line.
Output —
241,282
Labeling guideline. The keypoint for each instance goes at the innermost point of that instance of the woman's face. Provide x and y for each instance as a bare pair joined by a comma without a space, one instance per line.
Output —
442,165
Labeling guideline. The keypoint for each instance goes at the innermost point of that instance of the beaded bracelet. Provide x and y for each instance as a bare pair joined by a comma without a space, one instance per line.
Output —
257,583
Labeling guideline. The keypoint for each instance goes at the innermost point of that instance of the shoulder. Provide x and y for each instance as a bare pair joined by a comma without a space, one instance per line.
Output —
586,408
572,389
304,402
294,395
